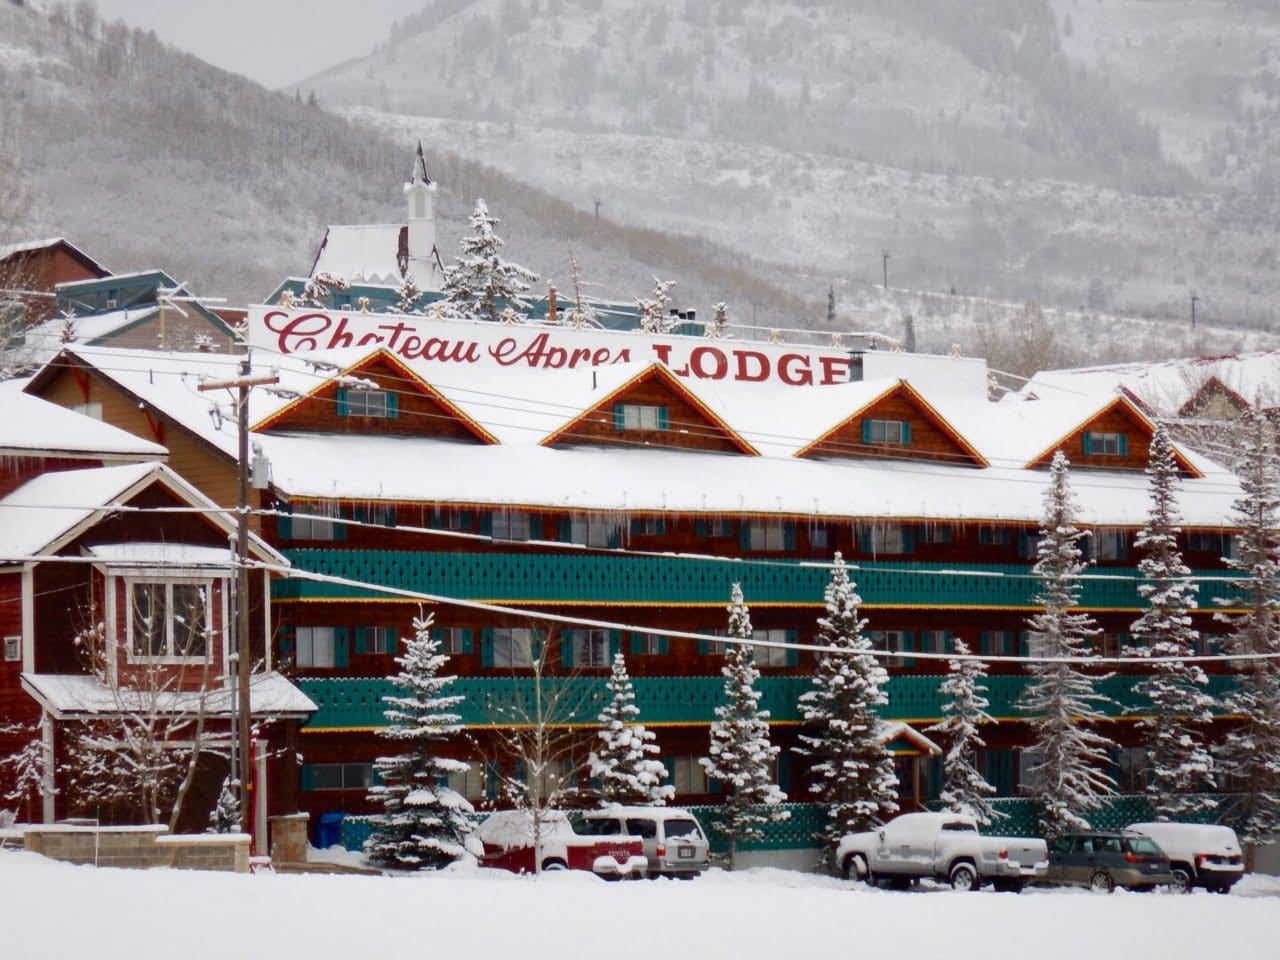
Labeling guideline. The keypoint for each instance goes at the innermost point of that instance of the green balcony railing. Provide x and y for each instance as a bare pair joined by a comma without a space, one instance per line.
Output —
601,578
357,703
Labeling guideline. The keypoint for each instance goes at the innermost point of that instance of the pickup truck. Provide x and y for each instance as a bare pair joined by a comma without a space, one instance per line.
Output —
941,846
508,838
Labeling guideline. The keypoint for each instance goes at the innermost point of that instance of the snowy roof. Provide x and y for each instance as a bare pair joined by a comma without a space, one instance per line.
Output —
894,729
37,426
188,556
45,339
44,513
587,478
73,695
1165,386
30,246
370,253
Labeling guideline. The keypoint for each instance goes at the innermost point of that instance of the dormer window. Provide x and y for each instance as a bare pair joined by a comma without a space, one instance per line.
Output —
886,432
367,403
168,620
640,416
1106,444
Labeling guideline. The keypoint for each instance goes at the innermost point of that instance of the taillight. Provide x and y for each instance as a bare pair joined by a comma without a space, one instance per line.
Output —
1003,854
662,849
1132,858
1201,858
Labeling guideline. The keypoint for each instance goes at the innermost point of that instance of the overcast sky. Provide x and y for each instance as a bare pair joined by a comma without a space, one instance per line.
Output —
275,42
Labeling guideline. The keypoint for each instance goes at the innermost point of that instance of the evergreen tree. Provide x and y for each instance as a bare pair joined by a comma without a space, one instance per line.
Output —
964,710
1179,764
625,761
741,751
655,312
843,732
909,333
719,321
831,305
423,824
480,283
407,295
225,816
1069,771
1250,754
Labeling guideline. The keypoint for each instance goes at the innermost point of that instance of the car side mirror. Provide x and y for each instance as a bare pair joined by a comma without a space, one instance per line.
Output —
880,834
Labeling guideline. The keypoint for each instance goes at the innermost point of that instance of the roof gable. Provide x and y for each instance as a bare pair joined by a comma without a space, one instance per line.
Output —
685,420
1120,416
928,435
420,409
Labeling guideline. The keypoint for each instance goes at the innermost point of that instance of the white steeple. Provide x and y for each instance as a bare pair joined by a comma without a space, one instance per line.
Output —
420,192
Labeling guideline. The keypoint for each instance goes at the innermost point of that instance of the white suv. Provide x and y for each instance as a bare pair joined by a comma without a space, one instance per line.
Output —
1200,855
673,841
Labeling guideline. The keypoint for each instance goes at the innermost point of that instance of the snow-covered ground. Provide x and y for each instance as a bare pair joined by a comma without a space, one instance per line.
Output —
58,911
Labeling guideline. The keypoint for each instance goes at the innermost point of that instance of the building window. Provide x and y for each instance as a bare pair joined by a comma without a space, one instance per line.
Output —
382,640
713,527
381,515
93,409
997,643
169,620
885,538
12,649
886,431
315,646
688,775
339,776
367,403
1110,544
595,531
590,647
1110,644
452,639
1218,544
819,537
451,520
767,536
1131,763
993,536
509,526
648,526
892,640
554,775
1106,444
469,782
640,416
934,533
647,645
769,656
512,647
935,641
1029,546
316,524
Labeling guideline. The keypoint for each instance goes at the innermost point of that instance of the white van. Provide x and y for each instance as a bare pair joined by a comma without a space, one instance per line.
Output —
673,841
1201,855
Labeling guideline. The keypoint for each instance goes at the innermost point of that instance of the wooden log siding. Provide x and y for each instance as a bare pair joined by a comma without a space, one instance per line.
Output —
928,442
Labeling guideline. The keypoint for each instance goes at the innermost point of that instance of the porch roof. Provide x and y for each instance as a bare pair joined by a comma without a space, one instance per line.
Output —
79,696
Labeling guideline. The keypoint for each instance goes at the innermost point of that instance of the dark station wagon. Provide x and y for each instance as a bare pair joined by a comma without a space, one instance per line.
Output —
1104,860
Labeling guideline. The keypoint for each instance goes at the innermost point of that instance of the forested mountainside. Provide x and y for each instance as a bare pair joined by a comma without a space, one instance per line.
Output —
146,156
1114,154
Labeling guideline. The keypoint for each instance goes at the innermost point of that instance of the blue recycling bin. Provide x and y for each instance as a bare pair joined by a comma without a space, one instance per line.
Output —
329,830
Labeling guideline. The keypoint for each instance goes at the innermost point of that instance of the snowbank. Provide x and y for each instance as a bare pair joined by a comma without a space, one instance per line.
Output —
767,914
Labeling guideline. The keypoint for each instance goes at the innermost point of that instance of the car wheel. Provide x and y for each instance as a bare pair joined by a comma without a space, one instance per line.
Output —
964,877
550,865
1101,882
855,868
1181,880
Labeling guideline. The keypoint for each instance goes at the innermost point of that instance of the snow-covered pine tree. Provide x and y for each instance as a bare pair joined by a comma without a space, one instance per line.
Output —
319,288
1250,753
831,305
225,815
964,710
742,753
719,321
625,759
423,824
479,282
853,774
1069,770
909,333
1179,763
407,295
655,312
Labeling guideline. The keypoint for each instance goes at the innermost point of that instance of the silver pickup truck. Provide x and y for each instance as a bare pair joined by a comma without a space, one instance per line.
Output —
942,846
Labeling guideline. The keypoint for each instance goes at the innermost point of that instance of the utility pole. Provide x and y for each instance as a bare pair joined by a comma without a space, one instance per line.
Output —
242,709
886,269
596,201
1194,298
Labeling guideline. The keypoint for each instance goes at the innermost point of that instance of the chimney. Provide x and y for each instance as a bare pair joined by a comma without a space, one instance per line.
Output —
551,304
420,192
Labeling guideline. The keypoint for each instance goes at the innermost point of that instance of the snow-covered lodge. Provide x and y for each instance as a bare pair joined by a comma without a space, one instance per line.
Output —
628,480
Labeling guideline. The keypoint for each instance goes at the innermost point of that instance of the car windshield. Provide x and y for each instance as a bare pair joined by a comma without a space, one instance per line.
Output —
599,827
957,826
1143,845
682,828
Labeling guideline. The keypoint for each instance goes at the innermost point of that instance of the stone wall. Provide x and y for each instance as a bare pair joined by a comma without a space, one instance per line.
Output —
139,847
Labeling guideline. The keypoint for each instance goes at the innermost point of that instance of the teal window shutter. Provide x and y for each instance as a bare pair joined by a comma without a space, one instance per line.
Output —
661,527
536,642
784,772
486,647
307,775
619,419
744,534
362,639
866,431
566,529
615,538
1087,442
906,431
908,539
284,525
664,645
637,526
948,641
435,522
615,644
637,644
671,769
567,638
664,419
704,646
341,648
701,528
340,529
467,641
486,523
360,514
467,520
984,641
1124,444
344,402
492,779
1024,643
535,526
864,539
788,536
793,656
286,641
393,405
389,516
909,644
392,636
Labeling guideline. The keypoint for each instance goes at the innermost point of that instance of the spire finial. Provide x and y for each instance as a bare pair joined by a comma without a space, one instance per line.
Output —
420,167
